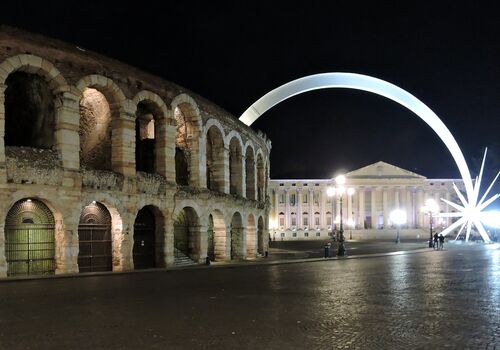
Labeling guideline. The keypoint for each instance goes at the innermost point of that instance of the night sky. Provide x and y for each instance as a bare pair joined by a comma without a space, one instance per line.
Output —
447,55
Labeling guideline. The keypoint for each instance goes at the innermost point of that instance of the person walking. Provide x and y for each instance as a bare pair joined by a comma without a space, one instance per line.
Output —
441,241
327,250
435,244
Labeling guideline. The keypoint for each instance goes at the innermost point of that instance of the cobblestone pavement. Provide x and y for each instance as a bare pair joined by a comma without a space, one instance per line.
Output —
438,299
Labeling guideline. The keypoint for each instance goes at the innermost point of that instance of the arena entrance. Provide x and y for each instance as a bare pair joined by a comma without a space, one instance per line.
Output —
94,232
144,239
29,239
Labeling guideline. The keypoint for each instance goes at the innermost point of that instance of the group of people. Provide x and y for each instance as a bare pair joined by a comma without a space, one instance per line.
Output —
438,241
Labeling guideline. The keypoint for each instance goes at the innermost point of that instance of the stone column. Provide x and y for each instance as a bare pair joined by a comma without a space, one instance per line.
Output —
420,204
123,140
165,148
3,260
287,208
243,177
3,171
67,246
276,205
311,208
198,242
374,207
227,178
349,209
409,208
299,208
396,198
385,208
251,241
322,201
168,240
362,215
67,139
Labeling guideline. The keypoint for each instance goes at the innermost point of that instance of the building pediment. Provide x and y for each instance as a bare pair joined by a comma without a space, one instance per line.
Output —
382,170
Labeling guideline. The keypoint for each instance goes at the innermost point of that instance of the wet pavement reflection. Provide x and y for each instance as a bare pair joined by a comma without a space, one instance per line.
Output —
438,299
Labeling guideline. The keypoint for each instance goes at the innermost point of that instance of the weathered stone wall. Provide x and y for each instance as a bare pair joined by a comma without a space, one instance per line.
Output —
93,156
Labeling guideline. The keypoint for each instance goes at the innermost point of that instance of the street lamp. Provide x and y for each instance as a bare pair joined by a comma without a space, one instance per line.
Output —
339,190
398,217
430,207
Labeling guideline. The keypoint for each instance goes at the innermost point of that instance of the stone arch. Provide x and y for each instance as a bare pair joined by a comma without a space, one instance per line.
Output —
149,229
261,239
260,177
150,133
187,234
251,236
188,164
106,119
250,180
236,166
215,158
216,236
62,238
237,233
29,85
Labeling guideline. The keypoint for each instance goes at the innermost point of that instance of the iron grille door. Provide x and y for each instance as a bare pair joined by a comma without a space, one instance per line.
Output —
29,249
95,248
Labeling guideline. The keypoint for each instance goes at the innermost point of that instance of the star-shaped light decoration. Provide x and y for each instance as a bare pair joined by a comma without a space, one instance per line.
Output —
470,210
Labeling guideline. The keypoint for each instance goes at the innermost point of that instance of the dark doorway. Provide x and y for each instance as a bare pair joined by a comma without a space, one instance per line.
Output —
144,239
29,239
94,232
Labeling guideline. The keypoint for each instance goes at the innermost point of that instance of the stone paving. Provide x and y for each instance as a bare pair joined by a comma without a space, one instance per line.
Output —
438,299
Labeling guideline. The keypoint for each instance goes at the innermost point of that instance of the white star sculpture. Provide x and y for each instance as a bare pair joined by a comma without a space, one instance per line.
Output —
470,210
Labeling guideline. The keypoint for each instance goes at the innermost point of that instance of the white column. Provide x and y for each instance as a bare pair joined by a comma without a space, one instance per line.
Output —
299,207
311,208
384,208
276,205
322,203
374,207
349,208
408,208
361,215
420,204
287,208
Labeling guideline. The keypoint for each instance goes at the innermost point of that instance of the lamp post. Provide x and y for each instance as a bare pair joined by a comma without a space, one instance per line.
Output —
430,207
398,217
339,190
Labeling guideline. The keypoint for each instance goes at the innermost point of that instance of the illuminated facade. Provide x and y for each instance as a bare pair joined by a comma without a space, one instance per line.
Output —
301,209
107,168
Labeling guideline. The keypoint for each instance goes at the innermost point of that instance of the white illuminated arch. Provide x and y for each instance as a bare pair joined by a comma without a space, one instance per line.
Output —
470,208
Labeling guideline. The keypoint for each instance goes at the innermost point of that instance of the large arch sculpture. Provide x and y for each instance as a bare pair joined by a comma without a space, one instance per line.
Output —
470,208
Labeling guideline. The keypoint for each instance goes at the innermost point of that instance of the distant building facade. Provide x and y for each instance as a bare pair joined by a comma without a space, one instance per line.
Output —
301,209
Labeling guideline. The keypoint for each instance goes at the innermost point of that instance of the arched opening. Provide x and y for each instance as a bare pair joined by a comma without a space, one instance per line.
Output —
260,179
30,239
186,145
95,130
260,236
186,230
215,159
237,238
95,239
235,167
29,111
146,134
251,239
250,173
145,232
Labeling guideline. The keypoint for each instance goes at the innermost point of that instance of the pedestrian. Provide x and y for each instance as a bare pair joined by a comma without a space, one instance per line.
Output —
435,244
327,250
441,241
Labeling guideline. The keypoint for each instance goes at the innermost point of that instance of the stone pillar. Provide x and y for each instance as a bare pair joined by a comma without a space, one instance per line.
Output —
123,140
67,245
374,207
287,208
299,208
67,139
3,171
420,204
409,208
251,241
362,215
310,216
165,147
243,177
349,209
385,208
198,243
322,201
396,198
168,240
276,205
3,261
227,179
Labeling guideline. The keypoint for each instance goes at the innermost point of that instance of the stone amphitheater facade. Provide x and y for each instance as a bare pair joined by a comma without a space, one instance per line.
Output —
105,167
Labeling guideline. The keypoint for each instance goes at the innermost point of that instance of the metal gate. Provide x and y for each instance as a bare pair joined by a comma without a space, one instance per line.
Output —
94,232
144,240
29,239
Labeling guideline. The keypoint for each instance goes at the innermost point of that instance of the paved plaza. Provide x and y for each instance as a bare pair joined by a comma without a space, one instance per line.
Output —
437,299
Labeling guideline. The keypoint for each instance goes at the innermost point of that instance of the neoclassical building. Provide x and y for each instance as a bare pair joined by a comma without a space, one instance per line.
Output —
301,209
104,167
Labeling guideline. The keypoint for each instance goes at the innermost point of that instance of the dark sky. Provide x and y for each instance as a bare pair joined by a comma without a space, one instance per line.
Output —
446,54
